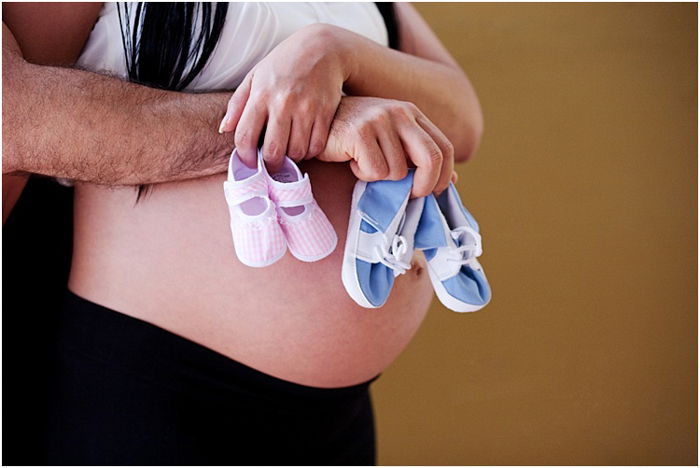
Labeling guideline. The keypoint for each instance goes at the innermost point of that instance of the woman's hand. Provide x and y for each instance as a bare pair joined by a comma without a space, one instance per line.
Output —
294,91
383,137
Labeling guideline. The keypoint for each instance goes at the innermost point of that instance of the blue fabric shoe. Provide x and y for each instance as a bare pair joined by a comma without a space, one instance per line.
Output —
379,244
449,237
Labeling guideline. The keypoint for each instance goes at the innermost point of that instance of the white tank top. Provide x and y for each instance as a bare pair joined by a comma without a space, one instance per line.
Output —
250,32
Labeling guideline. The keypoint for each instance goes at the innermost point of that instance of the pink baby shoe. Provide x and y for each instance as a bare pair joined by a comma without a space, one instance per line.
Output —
310,236
257,235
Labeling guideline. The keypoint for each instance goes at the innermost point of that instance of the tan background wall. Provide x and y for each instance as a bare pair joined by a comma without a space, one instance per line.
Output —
585,188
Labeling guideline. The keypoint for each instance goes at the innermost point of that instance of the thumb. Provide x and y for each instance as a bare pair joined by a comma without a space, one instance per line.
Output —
336,149
235,107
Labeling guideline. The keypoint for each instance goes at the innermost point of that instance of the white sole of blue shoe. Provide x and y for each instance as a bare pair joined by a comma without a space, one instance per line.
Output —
349,270
446,298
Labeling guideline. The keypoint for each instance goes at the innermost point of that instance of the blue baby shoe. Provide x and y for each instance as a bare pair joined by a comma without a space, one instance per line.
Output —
449,237
379,244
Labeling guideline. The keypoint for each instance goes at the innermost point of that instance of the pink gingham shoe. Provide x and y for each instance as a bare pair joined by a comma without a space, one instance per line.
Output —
257,235
310,236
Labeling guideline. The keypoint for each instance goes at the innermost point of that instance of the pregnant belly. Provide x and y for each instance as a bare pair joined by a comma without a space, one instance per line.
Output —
169,260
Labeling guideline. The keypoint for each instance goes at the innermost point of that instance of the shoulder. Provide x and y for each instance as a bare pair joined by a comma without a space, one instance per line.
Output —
416,37
51,33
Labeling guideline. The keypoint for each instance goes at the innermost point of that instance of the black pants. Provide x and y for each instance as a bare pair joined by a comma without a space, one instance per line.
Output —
128,392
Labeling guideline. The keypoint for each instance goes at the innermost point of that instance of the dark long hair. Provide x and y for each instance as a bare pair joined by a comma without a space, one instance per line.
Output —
168,44
165,38
161,42
388,12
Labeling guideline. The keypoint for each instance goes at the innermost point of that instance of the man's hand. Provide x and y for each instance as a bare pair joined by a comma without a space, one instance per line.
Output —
383,137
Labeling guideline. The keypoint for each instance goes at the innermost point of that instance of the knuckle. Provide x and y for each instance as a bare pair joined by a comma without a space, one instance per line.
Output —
261,106
305,106
434,155
284,101
296,151
406,108
294,154
262,95
295,94
371,176
449,149
317,145
421,192
283,105
273,150
395,107
380,172
399,173
365,130
273,157
381,115
243,139
403,110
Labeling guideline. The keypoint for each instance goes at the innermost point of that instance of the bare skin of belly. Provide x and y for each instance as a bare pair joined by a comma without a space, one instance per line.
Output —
169,260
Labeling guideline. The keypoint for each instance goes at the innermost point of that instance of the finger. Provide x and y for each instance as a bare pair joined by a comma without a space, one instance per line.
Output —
335,149
394,154
356,169
319,137
248,131
425,154
455,177
235,106
299,138
370,163
276,138
448,162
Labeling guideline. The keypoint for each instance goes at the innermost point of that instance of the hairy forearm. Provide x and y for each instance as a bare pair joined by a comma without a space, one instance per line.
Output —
75,124
442,92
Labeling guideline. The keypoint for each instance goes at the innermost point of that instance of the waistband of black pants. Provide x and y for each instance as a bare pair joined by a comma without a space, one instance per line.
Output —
120,340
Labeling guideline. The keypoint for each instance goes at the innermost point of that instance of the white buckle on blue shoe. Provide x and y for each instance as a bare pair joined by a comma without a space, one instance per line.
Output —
449,237
469,247
386,227
379,244
392,256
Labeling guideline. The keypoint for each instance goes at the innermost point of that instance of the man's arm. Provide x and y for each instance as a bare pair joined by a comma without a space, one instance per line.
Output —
84,126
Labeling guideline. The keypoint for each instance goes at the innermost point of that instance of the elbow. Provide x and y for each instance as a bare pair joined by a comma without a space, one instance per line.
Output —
470,138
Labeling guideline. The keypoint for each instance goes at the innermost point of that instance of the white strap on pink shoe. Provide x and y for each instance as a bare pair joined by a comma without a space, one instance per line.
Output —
310,235
292,194
237,194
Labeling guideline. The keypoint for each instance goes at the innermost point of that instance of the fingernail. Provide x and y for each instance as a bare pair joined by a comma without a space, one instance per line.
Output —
223,124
